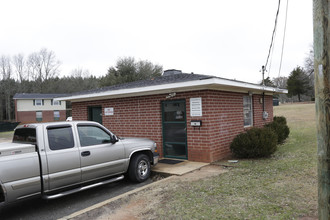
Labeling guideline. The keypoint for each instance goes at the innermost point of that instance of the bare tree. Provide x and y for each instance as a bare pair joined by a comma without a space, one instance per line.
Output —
49,64
33,66
6,73
19,64
6,69
33,74
309,68
80,73
309,62
42,66
280,82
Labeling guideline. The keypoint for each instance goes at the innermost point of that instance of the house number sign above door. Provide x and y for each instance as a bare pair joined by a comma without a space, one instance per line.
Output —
196,107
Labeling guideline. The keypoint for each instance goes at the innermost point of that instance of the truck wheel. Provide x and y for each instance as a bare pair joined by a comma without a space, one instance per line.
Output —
139,169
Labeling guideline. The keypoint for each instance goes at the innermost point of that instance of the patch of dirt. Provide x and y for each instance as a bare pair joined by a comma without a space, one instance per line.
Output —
141,205
308,218
128,211
204,172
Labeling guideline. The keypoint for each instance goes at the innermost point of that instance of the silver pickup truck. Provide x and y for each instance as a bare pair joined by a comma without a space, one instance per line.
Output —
60,158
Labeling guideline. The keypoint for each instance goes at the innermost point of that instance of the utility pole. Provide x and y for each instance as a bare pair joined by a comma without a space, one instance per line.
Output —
263,74
322,102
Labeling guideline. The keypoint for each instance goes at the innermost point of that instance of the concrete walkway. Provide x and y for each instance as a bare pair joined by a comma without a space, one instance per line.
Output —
179,168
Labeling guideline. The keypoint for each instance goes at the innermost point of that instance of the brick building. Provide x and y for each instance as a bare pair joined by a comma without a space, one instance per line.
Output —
190,116
35,107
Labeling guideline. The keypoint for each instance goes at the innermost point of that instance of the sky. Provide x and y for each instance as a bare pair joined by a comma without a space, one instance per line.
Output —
228,39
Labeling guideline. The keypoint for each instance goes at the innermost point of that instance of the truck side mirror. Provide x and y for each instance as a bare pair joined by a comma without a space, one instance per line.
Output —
114,139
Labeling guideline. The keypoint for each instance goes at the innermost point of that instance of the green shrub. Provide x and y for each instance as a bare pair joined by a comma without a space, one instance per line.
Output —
280,120
280,128
255,143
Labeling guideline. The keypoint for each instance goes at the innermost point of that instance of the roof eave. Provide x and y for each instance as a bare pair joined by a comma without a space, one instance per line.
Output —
211,83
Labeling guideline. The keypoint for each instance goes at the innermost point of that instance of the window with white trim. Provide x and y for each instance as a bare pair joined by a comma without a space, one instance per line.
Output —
247,111
38,102
39,116
56,115
56,102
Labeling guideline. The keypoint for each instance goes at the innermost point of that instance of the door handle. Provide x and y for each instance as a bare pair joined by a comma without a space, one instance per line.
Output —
85,153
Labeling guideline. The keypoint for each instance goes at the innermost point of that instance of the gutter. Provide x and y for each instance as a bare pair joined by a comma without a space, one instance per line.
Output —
210,83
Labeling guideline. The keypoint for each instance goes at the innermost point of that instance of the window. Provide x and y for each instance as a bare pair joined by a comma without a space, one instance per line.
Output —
56,102
25,135
174,111
60,138
39,116
56,115
38,102
91,135
247,111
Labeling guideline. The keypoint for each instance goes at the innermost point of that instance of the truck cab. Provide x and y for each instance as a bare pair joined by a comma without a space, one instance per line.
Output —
60,158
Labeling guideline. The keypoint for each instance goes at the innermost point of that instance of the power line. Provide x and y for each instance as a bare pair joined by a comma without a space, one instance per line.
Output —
274,31
286,17
271,57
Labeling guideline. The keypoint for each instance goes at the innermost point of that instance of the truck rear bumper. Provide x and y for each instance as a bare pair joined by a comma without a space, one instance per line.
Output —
155,158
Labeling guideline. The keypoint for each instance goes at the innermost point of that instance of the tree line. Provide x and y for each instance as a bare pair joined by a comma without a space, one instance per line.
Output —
39,72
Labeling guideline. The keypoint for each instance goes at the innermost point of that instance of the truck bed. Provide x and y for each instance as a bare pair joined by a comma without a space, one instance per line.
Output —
9,148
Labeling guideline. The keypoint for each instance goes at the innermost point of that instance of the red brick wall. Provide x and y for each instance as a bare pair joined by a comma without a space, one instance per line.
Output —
258,107
16,116
222,119
30,116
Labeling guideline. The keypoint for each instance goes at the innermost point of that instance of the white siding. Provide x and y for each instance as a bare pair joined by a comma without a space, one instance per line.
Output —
27,105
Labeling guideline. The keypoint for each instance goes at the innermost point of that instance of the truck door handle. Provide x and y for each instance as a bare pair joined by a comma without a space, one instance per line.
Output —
85,153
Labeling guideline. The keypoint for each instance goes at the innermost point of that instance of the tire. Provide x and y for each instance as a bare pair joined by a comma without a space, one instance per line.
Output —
139,169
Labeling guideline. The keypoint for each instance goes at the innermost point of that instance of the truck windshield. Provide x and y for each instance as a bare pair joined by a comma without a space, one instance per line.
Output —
25,135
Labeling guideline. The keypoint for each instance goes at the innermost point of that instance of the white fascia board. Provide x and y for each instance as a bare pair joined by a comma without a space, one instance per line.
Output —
212,83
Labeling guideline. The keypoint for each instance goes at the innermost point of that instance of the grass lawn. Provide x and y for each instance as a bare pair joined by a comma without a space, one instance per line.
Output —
281,187
7,135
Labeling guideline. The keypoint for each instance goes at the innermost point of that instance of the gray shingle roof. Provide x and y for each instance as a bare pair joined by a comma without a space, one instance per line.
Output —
162,80
168,83
184,77
37,96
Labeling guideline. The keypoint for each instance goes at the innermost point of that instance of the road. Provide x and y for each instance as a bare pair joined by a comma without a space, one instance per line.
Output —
35,209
